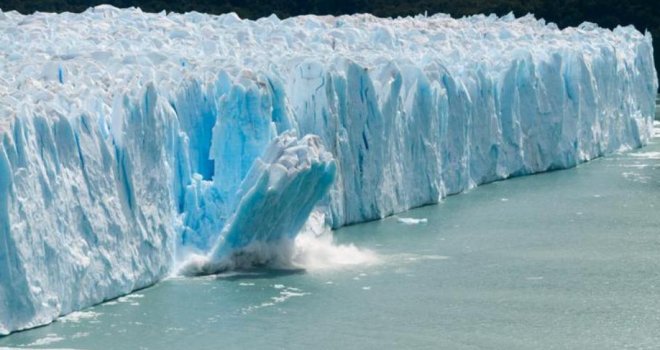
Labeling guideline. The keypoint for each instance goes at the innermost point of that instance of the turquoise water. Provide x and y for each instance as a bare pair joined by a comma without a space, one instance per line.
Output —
569,259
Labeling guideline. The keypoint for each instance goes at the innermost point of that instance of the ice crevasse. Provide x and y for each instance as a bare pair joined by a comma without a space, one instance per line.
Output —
132,141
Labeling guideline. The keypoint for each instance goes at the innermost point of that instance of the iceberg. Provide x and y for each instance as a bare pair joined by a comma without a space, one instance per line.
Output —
136,144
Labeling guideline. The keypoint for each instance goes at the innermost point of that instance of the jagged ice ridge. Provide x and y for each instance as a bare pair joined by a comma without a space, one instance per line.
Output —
131,142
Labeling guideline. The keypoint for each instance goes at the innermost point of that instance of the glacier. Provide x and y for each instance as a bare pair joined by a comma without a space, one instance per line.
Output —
134,144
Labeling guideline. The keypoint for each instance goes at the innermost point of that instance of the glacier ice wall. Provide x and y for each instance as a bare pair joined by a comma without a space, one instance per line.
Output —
132,141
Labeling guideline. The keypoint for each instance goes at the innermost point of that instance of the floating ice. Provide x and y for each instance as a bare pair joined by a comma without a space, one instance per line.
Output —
131,143
412,221
76,317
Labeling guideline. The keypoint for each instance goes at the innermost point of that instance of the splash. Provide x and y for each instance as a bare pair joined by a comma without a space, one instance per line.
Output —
321,252
313,249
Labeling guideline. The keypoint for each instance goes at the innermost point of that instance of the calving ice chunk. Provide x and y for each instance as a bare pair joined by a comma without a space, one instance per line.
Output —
132,144
276,198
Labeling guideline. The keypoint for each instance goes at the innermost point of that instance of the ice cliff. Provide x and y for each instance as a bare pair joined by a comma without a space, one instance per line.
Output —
130,142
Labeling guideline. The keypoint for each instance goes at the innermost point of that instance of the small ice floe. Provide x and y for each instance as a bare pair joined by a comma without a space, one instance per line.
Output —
130,299
504,199
412,221
76,317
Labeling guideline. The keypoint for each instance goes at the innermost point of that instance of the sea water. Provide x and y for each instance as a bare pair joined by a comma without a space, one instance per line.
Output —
568,259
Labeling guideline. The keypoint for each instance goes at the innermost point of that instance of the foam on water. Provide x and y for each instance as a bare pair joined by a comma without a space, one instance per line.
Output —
47,340
315,253
315,249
